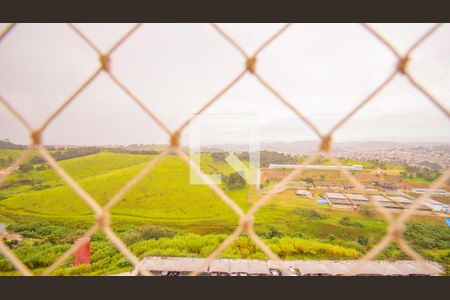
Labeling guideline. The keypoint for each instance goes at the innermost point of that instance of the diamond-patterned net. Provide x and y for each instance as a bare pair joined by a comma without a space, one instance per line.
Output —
245,226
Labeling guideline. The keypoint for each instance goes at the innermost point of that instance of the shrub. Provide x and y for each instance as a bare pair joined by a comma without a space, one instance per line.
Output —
156,232
346,221
25,168
5,265
309,213
37,160
273,232
42,167
367,211
363,240
425,236
38,187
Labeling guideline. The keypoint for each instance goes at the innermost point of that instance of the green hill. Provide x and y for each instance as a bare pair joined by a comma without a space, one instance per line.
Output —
164,194
37,203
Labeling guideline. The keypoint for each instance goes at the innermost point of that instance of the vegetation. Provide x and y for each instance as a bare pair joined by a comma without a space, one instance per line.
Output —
415,172
234,181
129,151
271,157
219,156
166,215
45,242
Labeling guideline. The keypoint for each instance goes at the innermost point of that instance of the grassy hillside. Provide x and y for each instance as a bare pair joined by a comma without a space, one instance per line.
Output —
164,194
185,219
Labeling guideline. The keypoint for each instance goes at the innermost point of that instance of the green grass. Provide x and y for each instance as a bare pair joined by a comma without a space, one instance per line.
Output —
164,195
50,215
6,153
415,180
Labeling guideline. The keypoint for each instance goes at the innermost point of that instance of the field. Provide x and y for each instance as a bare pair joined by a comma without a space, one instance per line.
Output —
166,215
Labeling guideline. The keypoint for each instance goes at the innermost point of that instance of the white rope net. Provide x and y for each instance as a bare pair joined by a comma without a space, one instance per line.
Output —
396,226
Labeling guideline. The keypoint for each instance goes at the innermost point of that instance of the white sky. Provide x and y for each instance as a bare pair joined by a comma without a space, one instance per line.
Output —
323,69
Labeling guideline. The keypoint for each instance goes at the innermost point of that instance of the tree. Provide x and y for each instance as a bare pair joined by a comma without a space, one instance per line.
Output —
234,181
42,167
273,232
26,168
37,160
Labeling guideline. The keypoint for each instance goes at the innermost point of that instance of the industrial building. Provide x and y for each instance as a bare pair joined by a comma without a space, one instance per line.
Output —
179,266
436,192
304,193
437,206
393,203
316,167
167,266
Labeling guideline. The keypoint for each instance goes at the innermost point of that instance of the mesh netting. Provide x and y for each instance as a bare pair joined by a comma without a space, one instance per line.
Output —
396,226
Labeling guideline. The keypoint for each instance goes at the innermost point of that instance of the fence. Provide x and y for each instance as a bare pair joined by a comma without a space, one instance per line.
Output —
396,226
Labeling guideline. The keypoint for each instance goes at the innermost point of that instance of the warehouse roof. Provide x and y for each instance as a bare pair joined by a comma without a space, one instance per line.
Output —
238,265
313,267
306,267
258,267
336,267
401,199
220,265
188,264
335,195
357,197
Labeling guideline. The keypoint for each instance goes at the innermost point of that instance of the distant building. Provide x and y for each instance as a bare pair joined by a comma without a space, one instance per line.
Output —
315,167
437,206
394,203
175,266
436,192
304,193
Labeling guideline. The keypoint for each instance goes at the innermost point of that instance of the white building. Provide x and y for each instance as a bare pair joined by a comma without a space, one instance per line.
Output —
437,206
315,167
304,193
436,192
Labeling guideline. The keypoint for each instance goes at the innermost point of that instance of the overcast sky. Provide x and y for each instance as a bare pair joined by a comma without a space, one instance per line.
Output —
323,69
